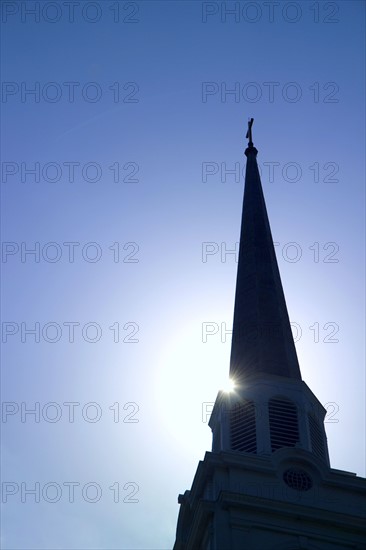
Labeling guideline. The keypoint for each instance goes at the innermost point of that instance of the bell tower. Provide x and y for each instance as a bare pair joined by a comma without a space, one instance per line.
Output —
267,484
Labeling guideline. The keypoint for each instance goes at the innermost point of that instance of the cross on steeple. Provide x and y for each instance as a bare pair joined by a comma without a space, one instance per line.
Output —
249,132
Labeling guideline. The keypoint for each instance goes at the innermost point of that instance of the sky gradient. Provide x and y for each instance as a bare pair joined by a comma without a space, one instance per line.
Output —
135,132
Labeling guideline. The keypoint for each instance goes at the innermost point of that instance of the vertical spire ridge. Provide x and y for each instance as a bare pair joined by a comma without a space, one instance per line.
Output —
262,342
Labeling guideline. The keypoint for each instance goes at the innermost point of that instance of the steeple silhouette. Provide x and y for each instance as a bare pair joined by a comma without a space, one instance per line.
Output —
267,484
267,408
262,340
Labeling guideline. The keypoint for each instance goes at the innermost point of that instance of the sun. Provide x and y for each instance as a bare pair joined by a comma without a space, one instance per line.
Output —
188,377
229,386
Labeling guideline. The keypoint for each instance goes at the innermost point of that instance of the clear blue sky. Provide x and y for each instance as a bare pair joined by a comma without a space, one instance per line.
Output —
146,89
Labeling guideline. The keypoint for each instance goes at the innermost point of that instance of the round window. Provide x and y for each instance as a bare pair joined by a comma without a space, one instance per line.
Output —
297,479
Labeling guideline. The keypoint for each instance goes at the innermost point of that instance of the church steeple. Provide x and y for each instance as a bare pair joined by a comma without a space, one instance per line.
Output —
267,482
271,407
262,340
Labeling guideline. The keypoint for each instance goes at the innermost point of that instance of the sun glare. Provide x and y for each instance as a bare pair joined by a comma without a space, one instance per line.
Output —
186,384
229,386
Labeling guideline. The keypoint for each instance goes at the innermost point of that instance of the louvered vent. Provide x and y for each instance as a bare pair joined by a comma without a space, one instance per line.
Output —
316,437
242,427
283,423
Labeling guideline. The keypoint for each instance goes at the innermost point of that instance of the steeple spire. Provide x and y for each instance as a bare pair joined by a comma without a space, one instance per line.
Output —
262,342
